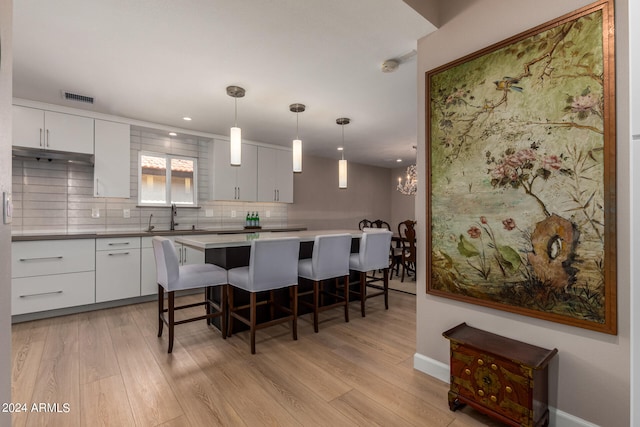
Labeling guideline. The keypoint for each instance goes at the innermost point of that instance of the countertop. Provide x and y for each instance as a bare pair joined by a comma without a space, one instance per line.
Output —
236,240
23,237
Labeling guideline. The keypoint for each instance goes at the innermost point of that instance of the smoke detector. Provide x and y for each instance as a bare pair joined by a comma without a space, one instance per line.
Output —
390,65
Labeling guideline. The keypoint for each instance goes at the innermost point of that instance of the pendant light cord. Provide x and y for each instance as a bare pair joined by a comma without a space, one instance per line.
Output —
236,111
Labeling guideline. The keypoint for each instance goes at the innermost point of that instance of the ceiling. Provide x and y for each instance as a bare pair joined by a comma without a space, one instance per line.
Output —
161,60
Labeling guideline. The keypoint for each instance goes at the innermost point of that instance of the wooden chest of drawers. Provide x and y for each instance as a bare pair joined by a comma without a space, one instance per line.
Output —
501,377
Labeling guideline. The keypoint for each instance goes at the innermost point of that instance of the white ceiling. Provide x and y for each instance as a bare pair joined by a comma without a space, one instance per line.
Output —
159,60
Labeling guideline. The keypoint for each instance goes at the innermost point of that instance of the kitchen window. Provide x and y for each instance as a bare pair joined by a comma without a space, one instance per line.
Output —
162,185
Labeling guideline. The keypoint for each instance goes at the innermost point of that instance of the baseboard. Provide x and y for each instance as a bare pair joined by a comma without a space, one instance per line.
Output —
440,371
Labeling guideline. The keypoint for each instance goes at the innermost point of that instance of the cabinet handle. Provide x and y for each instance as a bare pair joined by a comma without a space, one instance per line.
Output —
180,256
278,197
185,255
274,195
41,293
40,137
467,371
494,366
97,187
480,362
118,253
493,398
120,243
40,258
238,193
47,144
480,393
508,389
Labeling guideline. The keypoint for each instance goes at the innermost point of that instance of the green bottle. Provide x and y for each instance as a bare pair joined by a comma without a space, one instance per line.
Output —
247,221
257,219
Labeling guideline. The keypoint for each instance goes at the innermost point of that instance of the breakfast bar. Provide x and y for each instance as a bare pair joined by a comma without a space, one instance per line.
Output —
233,250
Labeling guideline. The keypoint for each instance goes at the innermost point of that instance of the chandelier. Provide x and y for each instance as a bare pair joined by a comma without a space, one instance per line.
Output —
409,186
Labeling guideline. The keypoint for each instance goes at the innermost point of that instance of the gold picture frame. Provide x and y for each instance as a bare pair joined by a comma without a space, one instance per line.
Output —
521,171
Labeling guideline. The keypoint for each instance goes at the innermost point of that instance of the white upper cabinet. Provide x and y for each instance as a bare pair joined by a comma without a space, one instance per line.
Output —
112,159
50,130
275,175
233,182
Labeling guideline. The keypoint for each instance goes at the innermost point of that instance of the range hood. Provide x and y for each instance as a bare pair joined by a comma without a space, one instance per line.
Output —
50,155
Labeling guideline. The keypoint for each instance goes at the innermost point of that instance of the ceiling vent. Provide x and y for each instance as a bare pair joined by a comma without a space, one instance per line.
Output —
70,96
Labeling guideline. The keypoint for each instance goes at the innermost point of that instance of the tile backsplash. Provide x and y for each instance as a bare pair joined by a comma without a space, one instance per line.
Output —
57,196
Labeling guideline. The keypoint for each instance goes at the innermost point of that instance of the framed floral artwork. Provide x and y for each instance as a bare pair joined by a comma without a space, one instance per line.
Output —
521,150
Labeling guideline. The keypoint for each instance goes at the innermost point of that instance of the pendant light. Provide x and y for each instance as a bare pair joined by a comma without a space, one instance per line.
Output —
235,134
297,143
342,164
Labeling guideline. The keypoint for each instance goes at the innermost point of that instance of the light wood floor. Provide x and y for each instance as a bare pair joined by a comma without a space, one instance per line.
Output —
112,370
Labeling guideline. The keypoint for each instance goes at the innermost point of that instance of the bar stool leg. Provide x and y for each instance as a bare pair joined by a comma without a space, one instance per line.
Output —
160,309
171,319
252,322
294,309
363,290
316,301
346,297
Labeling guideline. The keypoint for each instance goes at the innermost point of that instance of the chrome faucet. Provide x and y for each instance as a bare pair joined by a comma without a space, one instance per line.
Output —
174,213
150,227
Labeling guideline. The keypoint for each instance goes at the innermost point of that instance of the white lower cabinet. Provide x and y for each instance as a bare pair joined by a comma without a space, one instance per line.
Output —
148,284
52,274
117,268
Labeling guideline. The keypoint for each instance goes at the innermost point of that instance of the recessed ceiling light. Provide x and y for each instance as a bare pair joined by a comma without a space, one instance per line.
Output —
340,148
186,118
172,134
399,160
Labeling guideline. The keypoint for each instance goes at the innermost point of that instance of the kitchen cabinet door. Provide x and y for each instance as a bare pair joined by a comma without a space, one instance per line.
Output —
112,174
28,127
275,175
117,268
233,182
35,128
66,132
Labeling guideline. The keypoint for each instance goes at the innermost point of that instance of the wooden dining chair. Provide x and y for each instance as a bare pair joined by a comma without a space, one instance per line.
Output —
407,232
365,223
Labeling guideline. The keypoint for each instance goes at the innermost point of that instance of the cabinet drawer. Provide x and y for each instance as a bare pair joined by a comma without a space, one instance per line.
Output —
52,257
105,244
40,293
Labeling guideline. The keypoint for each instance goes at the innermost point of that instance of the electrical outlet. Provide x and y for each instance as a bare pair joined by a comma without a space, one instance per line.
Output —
126,213
208,213
267,214
233,214
95,212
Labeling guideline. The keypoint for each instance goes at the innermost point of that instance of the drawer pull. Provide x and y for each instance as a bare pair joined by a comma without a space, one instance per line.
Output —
508,389
467,371
116,244
40,294
480,393
494,367
118,253
40,259
480,362
493,398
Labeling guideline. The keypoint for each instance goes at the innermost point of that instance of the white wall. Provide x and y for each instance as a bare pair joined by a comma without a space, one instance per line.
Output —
6,7
590,375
